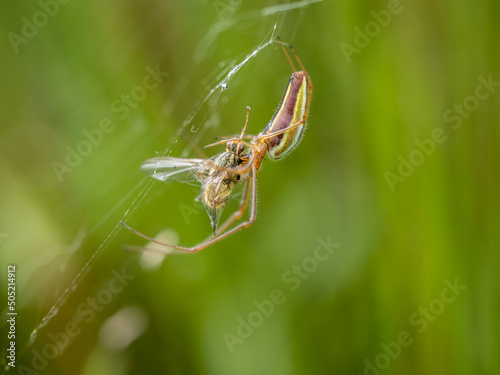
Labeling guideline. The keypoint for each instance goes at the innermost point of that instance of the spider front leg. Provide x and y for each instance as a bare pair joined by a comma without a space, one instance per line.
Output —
278,132
226,140
211,240
235,136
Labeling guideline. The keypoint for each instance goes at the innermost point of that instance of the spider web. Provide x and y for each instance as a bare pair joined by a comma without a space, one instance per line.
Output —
192,126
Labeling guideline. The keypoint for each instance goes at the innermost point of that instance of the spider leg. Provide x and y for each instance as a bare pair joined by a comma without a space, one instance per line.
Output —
283,45
211,240
235,136
240,212
278,132
224,141
193,146
257,154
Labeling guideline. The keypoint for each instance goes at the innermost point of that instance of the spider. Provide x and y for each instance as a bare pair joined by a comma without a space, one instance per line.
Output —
241,160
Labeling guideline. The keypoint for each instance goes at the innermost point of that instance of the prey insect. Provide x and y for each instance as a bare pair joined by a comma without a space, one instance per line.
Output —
241,160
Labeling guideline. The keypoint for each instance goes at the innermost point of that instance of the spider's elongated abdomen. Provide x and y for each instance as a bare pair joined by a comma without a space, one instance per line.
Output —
291,110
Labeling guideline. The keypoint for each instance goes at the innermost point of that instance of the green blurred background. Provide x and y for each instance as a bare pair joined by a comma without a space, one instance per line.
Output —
381,302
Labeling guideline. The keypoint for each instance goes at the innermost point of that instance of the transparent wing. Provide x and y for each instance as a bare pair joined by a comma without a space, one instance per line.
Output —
169,169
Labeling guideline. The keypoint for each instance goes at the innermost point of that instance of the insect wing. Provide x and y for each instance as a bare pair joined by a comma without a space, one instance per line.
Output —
169,169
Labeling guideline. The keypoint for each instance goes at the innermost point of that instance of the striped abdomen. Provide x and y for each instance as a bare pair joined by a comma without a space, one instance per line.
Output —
292,110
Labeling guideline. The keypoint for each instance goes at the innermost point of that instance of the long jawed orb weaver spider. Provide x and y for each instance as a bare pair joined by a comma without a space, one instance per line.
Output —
241,160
